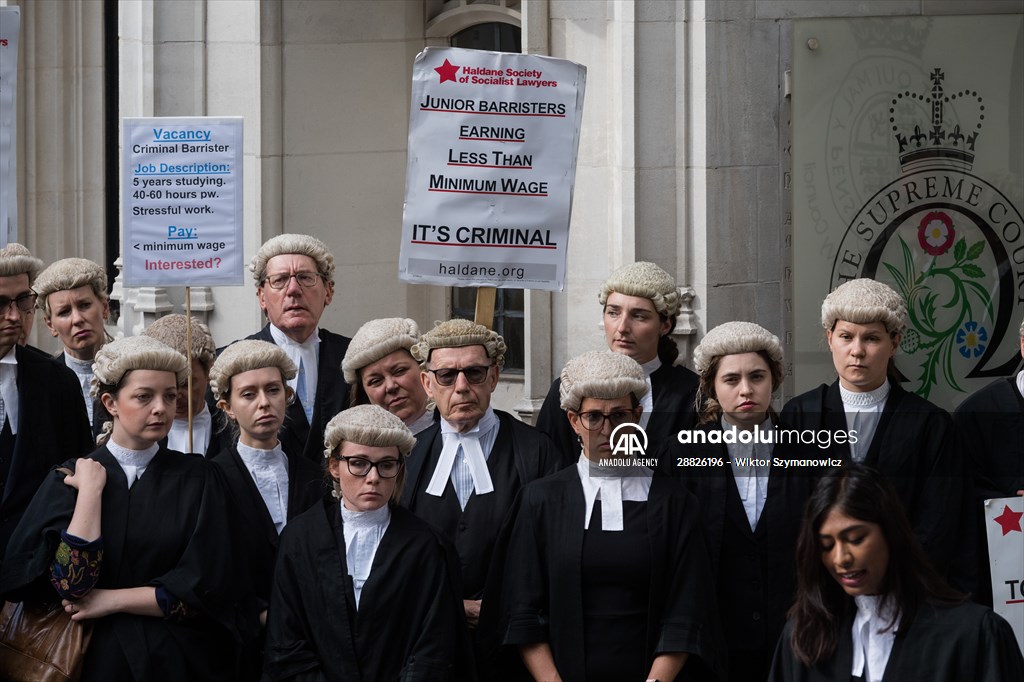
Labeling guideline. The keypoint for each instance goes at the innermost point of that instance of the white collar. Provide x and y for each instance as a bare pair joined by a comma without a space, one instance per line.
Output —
132,462
1020,382
487,422
865,398
423,422
76,365
10,358
256,457
282,339
362,520
872,643
471,441
613,485
651,366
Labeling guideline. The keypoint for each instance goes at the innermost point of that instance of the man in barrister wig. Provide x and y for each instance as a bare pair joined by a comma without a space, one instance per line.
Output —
41,407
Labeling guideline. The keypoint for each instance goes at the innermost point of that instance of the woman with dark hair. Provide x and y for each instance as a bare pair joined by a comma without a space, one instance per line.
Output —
381,370
751,510
640,303
607,576
135,542
908,439
364,590
870,606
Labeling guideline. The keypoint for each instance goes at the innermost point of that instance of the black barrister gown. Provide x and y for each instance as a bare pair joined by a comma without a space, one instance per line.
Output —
168,530
521,454
754,569
540,578
961,643
408,626
256,536
915,449
674,390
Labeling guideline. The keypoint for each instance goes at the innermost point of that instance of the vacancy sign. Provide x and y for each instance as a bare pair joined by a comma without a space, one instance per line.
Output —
493,138
1004,526
181,201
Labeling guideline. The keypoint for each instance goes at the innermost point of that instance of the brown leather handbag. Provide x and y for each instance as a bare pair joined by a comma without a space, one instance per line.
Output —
40,644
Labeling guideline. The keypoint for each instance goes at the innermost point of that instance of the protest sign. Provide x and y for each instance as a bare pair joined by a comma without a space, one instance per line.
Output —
1005,530
10,23
181,201
493,138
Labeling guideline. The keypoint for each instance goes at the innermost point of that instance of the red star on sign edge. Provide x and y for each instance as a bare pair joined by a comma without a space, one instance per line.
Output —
447,71
1009,520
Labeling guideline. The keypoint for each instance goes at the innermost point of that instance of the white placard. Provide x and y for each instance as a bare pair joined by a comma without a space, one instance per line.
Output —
493,138
10,22
1004,526
181,201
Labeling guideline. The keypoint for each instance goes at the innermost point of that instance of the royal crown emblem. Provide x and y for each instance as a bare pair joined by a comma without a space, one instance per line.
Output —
949,136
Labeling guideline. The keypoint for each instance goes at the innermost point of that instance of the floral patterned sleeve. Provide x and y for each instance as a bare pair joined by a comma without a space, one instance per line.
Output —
174,609
76,566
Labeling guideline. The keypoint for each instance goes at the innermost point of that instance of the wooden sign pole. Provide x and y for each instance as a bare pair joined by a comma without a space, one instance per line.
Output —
485,306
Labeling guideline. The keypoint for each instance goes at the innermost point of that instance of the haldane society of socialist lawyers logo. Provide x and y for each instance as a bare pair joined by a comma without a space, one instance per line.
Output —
945,238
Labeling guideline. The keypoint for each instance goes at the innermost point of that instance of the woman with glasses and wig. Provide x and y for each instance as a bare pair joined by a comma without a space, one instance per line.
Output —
605,575
750,509
380,369
363,590
267,487
134,542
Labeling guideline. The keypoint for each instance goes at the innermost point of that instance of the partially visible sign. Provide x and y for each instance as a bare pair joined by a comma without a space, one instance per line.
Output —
493,138
1005,530
181,201
10,23
908,168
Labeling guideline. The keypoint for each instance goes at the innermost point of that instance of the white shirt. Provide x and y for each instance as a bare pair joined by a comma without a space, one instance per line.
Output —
612,485
751,480
202,430
9,389
363,533
1020,382
133,462
647,402
871,646
863,411
269,470
305,355
82,370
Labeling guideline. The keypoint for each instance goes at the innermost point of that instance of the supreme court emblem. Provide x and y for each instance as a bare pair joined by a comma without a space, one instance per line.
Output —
945,237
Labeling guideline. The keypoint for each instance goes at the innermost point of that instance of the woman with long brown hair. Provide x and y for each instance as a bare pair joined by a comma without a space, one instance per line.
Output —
870,606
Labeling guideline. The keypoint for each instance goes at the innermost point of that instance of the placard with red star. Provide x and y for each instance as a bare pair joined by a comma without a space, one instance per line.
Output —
1004,530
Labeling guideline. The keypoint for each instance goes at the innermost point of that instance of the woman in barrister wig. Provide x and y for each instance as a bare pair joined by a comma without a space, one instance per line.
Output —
908,439
640,303
134,542
267,487
871,607
363,590
381,370
751,510
73,298
606,574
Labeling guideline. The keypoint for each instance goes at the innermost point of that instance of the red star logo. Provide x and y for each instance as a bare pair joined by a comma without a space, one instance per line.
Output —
1009,520
447,71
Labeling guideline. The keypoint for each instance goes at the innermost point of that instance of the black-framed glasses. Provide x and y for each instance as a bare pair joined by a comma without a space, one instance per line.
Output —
594,420
475,374
360,466
306,279
25,302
